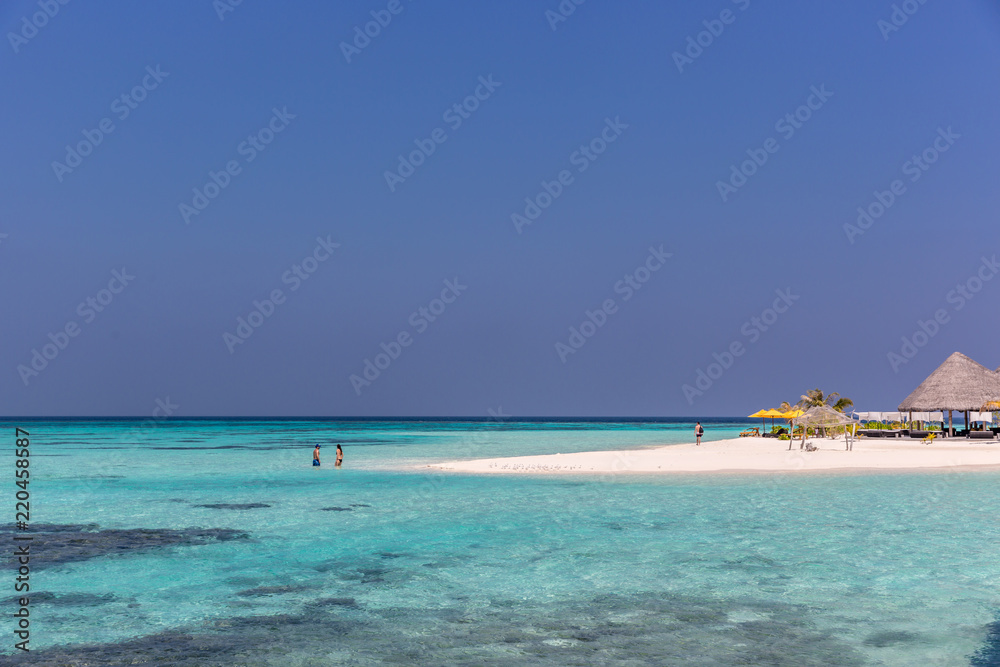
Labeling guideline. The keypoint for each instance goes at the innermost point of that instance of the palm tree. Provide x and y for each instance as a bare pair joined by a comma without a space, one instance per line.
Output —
815,397
842,404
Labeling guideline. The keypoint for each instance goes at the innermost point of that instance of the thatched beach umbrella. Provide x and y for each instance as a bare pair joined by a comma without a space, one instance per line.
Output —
823,416
957,384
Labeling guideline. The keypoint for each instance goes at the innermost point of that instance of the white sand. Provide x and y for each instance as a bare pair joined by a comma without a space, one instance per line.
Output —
752,455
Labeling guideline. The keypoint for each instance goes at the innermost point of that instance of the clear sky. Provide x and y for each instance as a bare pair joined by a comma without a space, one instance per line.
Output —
212,154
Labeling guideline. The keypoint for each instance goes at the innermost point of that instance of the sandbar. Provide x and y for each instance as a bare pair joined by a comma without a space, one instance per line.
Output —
750,455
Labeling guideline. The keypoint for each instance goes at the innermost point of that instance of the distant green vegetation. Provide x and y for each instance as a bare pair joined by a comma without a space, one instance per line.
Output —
815,397
893,426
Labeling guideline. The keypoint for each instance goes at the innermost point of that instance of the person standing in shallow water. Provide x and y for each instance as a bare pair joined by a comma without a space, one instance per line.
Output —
316,456
698,432
340,457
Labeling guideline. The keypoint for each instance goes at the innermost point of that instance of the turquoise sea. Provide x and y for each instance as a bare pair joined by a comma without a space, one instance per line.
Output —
217,543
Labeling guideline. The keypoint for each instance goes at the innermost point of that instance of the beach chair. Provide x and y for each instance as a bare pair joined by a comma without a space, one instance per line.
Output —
750,432
981,435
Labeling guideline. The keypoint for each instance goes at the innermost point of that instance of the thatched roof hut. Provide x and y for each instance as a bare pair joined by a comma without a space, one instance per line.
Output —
823,416
958,384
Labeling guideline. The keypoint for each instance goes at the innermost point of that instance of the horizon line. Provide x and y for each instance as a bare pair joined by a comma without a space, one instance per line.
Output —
476,418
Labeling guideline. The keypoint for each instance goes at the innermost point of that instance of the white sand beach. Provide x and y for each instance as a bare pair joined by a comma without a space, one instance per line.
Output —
750,455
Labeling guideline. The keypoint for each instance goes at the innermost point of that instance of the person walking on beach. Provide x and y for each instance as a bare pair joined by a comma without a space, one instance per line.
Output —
340,457
316,456
698,432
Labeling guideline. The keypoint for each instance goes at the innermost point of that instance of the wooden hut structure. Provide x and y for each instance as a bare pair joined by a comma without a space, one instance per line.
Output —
959,384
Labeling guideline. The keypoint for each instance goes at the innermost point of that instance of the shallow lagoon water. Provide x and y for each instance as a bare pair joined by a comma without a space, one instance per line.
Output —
382,562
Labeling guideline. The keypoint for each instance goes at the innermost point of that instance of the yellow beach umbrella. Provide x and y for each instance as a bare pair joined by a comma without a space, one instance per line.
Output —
761,414
990,406
790,415
773,414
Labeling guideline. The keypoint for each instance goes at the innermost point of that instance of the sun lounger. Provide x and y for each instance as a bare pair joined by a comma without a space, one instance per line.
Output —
981,435
919,434
750,432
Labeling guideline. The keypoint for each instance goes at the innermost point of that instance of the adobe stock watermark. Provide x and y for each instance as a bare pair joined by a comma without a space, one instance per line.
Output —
786,126
631,283
915,167
249,149
120,457
163,410
223,7
363,36
956,298
121,106
696,44
752,330
294,276
30,27
420,320
900,14
562,12
454,116
434,481
88,310
581,158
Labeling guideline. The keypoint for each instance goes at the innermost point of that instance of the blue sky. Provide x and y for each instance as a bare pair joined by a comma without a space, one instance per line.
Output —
277,73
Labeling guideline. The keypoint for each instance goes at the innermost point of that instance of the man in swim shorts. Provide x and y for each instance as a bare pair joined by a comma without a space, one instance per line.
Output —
316,456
